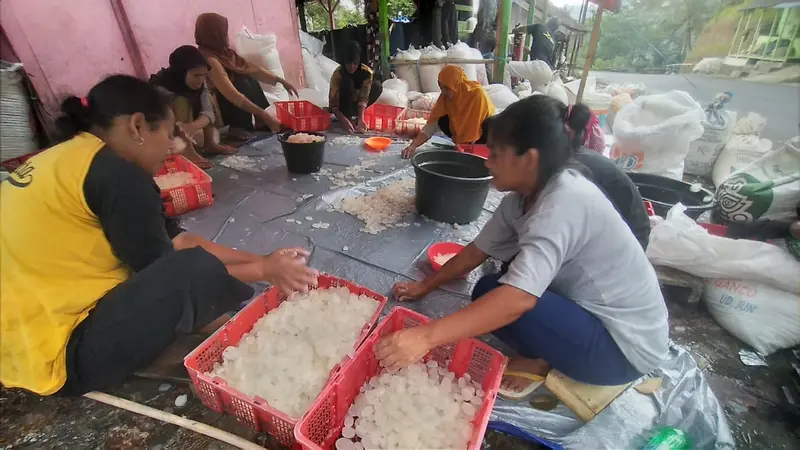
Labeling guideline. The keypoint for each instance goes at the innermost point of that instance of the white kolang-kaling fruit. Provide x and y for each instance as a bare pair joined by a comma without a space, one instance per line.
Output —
287,356
420,406
304,138
442,258
383,209
173,180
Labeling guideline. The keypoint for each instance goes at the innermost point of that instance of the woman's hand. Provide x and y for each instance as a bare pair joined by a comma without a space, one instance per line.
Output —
348,125
286,269
271,121
289,87
407,291
409,151
403,348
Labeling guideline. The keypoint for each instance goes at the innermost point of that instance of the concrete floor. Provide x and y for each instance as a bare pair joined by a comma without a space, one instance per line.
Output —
749,395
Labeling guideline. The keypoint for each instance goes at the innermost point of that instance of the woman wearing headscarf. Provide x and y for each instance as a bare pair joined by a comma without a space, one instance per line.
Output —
191,103
460,112
235,79
352,89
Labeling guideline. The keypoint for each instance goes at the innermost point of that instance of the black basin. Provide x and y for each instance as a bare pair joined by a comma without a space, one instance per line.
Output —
665,192
302,158
451,186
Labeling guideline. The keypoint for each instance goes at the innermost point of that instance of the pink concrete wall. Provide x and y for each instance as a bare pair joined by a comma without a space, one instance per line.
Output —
68,46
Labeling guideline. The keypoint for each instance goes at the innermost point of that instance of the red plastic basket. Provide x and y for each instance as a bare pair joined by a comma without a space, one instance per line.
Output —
12,163
382,117
302,115
322,424
476,149
410,129
183,199
253,411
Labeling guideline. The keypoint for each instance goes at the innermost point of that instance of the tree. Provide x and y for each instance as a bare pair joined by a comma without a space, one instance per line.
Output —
319,19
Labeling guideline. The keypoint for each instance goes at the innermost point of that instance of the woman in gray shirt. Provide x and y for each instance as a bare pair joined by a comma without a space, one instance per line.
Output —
578,294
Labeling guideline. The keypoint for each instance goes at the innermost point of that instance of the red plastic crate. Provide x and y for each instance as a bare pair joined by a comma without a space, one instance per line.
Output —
322,424
302,115
476,149
410,129
382,117
11,164
253,411
182,199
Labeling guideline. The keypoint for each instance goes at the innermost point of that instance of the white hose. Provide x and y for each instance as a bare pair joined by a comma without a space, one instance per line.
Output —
193,425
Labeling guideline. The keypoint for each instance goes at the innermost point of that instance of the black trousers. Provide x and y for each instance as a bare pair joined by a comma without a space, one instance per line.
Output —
444,125
348,103
135,322
232,115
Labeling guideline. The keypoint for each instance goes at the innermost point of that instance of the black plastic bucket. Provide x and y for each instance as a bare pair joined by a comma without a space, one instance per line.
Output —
302,158
665,192
451,186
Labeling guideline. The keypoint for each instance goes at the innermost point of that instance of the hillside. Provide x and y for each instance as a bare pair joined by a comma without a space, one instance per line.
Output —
717,35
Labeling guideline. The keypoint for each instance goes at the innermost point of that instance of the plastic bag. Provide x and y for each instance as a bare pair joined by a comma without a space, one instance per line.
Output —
397,85
708,65
480,69
326,66
557,91
393,98
766,189
316,97
409,72
765,318
501,96
462,51
262,50
429,73
312,44
703,152
740,151
653,134
537,72
679,242
314,78
752,123
618,102
424,102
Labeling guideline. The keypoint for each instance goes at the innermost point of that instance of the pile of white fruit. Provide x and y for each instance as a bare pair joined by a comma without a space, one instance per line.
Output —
288,355
442,258
383,209
173,180
420,406
304,138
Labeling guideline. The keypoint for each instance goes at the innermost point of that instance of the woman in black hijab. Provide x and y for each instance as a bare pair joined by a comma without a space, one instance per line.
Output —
352,89
191,102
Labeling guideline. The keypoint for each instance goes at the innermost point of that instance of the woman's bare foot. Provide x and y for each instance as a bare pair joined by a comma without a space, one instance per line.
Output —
518,384
219,149
191,154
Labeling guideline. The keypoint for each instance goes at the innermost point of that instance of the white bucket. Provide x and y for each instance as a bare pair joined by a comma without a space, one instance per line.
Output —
599,103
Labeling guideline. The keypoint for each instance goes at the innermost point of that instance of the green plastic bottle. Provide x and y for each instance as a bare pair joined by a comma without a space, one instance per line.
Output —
669,438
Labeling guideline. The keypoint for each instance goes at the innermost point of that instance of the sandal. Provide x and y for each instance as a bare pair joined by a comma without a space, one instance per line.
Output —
536,381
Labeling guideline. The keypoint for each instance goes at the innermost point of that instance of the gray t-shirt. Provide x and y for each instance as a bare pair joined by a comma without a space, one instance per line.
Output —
575,244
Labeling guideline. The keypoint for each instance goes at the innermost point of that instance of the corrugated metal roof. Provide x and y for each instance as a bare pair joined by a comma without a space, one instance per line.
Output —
771,4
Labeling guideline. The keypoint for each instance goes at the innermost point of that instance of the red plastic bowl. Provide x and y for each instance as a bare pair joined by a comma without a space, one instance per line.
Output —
442,248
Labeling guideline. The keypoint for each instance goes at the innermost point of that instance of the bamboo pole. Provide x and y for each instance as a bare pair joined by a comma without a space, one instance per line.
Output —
192,425
736,34
769,38
755,34
598,18
747,25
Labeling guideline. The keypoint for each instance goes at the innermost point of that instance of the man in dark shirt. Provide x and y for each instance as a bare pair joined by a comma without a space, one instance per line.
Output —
449,22
543,40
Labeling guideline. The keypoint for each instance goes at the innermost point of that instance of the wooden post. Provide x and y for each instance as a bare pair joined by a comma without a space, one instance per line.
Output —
736,34
747,25
598,18
781,27
502,40
769,38
383,17
755,34
301,12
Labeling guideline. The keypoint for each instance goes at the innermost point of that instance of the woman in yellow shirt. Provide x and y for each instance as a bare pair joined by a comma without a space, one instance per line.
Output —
95,282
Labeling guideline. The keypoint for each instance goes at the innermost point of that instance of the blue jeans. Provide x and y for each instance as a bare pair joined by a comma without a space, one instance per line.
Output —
569,338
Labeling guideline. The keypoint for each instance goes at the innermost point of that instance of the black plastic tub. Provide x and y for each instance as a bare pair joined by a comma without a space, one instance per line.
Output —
665,192
302,158
451,186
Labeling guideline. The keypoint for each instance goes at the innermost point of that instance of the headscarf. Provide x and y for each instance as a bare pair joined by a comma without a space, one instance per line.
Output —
467,110
211,36
173,78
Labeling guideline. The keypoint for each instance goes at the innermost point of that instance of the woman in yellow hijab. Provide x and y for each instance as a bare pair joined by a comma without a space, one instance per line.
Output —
460,112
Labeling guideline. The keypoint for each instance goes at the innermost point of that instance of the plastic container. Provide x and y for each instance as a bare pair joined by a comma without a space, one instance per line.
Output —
377,144
599,103
302,115
442,248
302,158
405,128
322,424
182,199
663,193
253,411
451,186
382,117
481,150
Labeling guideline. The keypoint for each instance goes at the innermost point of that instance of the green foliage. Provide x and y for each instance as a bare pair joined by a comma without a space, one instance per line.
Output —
648,34
318,19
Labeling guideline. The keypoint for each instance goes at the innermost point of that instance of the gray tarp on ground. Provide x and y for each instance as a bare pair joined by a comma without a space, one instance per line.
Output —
250,211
